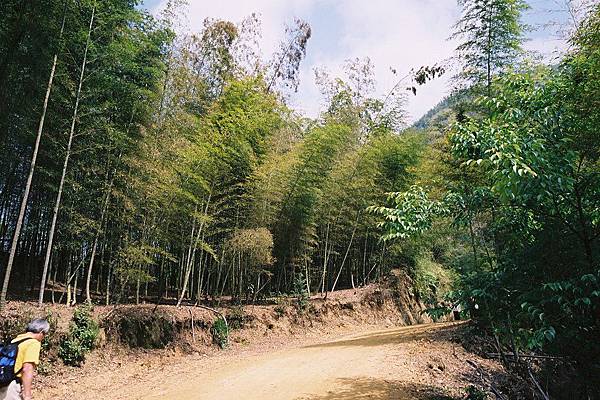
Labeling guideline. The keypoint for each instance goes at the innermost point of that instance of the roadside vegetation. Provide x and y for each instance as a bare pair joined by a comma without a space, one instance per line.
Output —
515,180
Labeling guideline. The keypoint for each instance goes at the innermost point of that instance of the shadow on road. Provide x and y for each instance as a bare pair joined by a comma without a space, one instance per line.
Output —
396,336
380,389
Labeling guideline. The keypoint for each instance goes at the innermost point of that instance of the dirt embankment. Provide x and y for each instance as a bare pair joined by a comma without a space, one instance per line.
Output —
165,352
188,328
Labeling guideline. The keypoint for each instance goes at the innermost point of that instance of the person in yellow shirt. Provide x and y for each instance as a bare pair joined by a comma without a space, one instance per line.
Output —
28,358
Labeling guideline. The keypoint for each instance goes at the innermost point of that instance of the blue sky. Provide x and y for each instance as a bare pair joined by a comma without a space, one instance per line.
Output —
401,34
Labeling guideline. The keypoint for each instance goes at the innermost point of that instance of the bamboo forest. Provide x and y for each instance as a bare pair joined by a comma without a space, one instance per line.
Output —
143,163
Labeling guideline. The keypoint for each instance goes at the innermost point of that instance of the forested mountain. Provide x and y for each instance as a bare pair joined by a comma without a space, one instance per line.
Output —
137,164
442,114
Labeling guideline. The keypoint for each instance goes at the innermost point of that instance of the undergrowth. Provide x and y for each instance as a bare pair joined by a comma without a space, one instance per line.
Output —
81,337
301,294
220,333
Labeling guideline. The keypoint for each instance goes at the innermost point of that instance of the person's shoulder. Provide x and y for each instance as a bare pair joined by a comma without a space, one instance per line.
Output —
31,347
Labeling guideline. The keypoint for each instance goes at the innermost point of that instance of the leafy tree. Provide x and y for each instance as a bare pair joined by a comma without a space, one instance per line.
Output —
532,161
491,33
285,66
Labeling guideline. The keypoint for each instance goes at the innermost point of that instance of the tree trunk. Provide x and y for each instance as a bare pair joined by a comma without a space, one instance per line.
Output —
345,257
325,261
137,291
307,275
241,277
229,268
489,51
68,282
68,154
88,298
54,283
75,286
107,299
364,263
190,261
220,272
473,246
201,267
101,272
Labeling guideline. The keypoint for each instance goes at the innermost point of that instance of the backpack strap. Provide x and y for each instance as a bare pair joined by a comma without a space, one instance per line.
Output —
18,342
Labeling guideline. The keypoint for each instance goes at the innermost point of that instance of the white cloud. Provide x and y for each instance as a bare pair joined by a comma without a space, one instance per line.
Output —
402,34
273,15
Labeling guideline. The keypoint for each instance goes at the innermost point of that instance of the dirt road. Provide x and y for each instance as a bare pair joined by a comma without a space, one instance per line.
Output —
372,365
413,362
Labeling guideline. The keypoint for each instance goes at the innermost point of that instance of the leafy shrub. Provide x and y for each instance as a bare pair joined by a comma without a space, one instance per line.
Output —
432,280
300,293
81,338
71,352
438,312
474,393
220,333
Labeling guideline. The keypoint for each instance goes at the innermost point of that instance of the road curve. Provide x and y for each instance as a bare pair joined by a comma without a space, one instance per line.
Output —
353,367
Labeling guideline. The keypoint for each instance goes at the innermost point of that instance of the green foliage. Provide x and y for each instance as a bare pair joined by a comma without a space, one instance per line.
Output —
411,213
474,393
436,313
296,214
71,352
220,333
432,281
491,33
540,179
301,294
520,194
255,246
81,337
